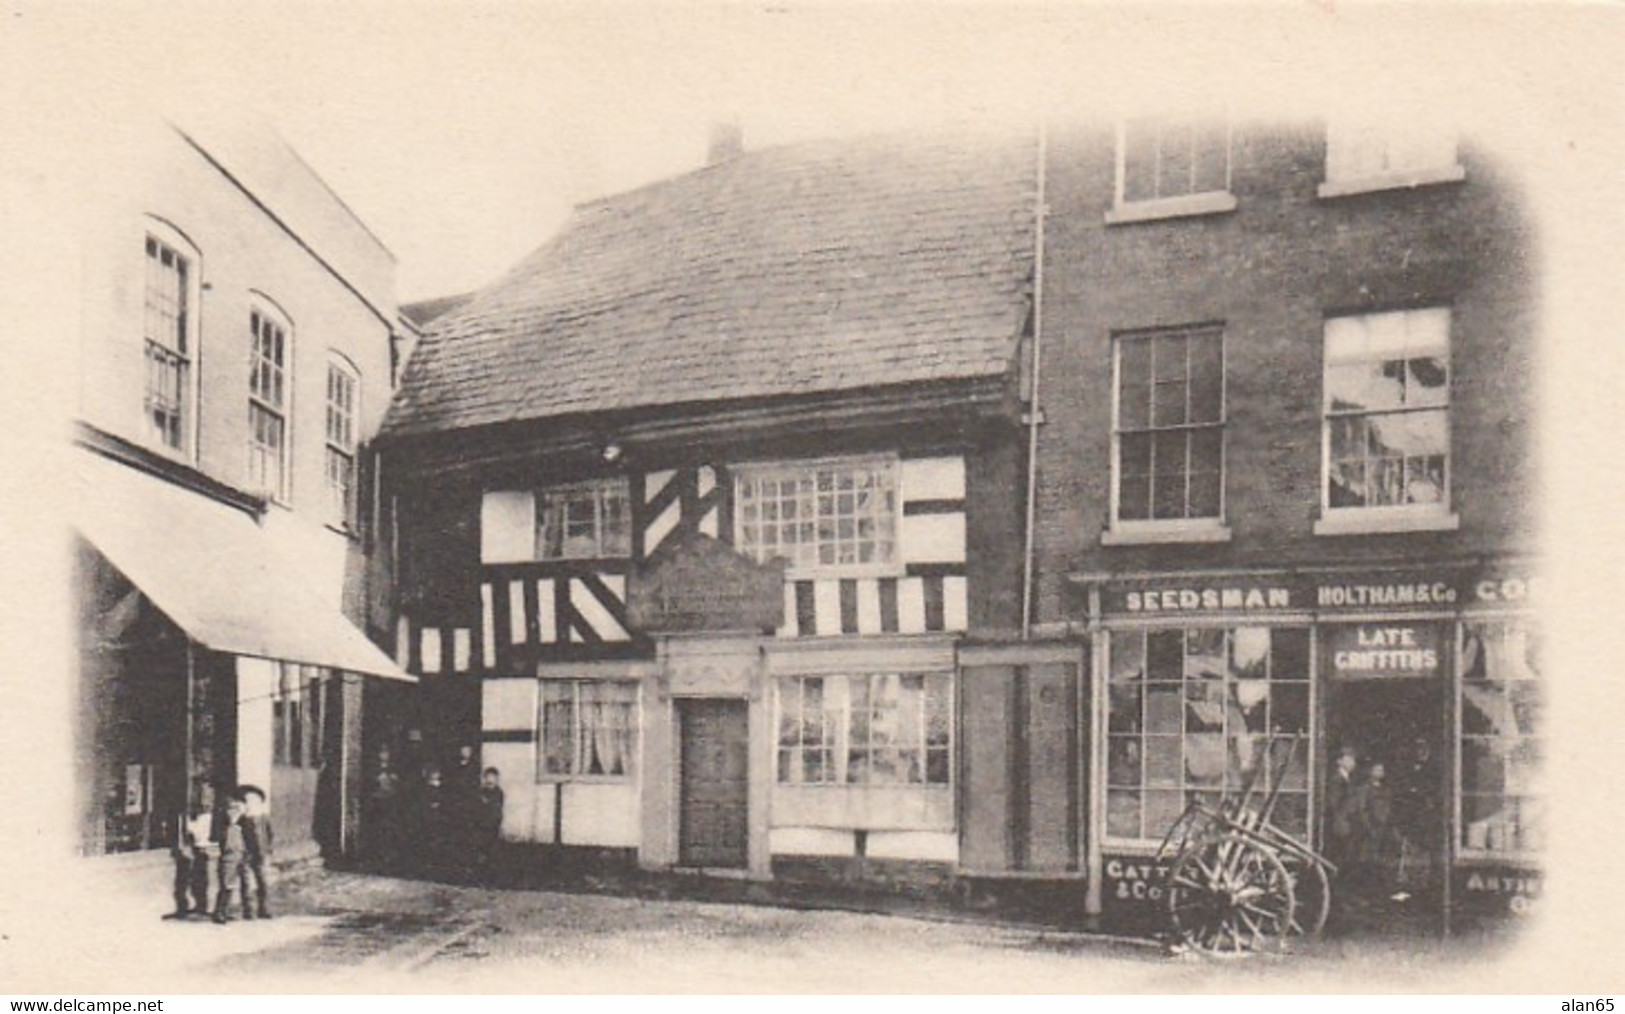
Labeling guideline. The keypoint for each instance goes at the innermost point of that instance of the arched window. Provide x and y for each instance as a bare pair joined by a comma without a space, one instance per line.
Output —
343,413
269,387
170,338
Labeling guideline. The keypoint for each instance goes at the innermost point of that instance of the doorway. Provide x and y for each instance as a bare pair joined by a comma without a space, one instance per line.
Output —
714,782
1396,728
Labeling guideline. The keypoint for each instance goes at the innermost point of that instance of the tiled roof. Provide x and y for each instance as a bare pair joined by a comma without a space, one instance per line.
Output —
809,268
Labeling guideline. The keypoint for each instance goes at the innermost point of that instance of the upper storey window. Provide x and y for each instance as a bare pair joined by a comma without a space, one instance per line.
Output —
824,515
1361,157
1169,436
169,321
1386,433
584,521
1172,166
343,399
268,403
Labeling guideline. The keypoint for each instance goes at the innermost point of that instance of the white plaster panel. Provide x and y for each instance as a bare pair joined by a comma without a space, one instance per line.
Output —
256,682
868,606
826,608
929,846
933,479
810,841
954,604
488,625
911,605
516,612
933,538
430,649
462,643
603,814
508,704
507,527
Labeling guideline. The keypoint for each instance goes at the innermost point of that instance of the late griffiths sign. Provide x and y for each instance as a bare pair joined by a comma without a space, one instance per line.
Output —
1393,650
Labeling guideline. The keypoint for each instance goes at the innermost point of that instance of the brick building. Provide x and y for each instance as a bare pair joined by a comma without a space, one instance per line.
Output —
1285,486
234,345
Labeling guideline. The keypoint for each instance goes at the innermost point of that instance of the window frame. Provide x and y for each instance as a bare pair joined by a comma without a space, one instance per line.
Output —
886,465
263,311
1131,531
1338,183
598,486
346,518
158,232
840,708
1387,518
1309,681
1459,827
299,715
1204,202
541,775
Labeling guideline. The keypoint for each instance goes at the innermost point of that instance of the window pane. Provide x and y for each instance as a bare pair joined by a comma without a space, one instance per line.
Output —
1206,380
1163,761
1127,656
1353,387
1123,761
1212,158
1165,650
1175,160
1139,161
1125,707
1134,361
1163,708
1123,814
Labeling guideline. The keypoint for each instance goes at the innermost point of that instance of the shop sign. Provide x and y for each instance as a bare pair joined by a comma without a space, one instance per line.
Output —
1384,650
697,584
1135,879
1227,598
1504,590
1516,892
1386,594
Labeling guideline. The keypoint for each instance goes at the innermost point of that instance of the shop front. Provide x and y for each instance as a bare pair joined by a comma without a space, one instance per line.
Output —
1390,711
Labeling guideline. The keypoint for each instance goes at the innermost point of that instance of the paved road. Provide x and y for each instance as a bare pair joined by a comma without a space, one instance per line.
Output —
344,932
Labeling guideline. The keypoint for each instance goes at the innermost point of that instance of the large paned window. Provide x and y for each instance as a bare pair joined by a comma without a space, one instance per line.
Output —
1369,156
168,354
584,521
297,715
1164,157
1387,412
867,729
820,515
343,397
1170,425
588,728
268,404
1500,708
1194,713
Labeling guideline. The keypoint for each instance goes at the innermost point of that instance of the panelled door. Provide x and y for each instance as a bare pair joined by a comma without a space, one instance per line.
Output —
714,782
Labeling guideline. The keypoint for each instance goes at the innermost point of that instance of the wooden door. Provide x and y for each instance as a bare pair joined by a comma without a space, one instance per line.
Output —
714,765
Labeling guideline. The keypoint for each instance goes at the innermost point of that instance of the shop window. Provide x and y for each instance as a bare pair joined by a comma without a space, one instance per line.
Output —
1169,432
268,389
1196,713
1500,708
343,401
168,323
584,521
1361,157
870,729
1386,431
1169,166
587,729
820,516
298,707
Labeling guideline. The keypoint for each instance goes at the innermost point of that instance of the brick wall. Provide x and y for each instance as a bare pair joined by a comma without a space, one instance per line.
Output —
1270,271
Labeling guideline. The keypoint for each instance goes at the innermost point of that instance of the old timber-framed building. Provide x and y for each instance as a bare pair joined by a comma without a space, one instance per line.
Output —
698,501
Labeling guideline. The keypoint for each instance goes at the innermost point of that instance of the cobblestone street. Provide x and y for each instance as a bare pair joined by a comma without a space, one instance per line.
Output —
339,932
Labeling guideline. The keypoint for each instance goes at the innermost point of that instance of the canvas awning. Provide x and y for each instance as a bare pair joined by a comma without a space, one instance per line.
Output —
213,571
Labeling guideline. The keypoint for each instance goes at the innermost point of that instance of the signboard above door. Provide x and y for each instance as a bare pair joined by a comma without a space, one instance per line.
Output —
1384,650
697,584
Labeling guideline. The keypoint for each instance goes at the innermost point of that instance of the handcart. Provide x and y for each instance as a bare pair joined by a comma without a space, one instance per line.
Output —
1237,882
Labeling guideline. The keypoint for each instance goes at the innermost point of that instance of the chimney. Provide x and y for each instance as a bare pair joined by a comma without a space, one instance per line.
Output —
727,140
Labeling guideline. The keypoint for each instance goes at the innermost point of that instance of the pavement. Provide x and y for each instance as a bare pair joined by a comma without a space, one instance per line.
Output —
349,931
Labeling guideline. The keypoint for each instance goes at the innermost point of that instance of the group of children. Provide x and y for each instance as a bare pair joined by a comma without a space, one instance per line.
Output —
233,849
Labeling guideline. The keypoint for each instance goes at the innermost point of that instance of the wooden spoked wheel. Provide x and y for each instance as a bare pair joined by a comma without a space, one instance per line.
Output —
1311,890
1230,896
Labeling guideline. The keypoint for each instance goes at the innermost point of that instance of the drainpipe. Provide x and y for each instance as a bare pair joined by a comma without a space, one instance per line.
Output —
1035,416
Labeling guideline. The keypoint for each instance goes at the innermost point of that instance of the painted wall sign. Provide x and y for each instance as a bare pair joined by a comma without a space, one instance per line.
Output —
696,583
1386,595
1498,590
1205,599
1499,891
1135,879
1384,650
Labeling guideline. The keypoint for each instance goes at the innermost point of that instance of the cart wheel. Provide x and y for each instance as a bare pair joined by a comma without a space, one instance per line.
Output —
1191,827
1312,890
1230,896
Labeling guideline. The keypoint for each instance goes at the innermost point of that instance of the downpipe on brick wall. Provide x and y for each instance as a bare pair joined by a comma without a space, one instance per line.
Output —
1035,417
